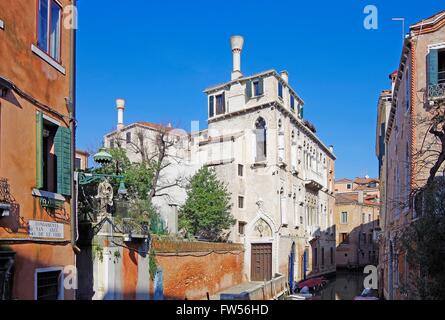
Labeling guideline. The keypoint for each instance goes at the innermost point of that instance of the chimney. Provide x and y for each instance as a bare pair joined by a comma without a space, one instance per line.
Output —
237,47
361,197
393,78
120,106
331,149
285,76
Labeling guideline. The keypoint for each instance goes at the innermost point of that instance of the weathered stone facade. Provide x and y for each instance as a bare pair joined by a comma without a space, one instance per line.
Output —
418,85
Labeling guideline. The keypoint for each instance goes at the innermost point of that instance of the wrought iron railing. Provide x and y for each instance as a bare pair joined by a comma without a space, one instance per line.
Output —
437,91
5,192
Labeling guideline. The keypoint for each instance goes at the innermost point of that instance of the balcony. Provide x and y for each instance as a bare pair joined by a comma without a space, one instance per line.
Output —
437,92
5,198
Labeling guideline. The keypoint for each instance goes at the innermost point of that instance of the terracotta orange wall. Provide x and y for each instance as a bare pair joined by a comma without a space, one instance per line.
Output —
18,138
129,273
191,277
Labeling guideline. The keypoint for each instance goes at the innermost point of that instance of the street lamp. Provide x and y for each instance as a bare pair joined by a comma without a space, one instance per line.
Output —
122,191
103,157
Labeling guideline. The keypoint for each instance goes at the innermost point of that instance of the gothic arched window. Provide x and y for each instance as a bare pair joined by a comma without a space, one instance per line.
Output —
261,139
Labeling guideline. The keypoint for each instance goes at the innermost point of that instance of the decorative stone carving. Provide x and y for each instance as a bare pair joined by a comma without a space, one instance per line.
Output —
105,196
262,229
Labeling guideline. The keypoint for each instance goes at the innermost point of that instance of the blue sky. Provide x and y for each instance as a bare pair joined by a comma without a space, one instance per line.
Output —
160,55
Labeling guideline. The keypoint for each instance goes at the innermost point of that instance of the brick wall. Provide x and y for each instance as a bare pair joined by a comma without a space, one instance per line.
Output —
193,269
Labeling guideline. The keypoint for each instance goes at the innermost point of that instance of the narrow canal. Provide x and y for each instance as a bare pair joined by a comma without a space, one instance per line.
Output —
346,285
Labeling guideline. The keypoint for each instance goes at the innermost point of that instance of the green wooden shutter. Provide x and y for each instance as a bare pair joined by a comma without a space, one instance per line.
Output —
211,106
261,86
39,150
62,143
248,89
433,67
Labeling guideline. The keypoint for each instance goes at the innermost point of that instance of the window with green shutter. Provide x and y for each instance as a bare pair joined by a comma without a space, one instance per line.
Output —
248,90
211,106
39,150
433,67
62,143
53,156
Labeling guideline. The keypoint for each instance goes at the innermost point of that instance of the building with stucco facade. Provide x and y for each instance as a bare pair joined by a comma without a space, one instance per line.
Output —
37,221
419,86
280,174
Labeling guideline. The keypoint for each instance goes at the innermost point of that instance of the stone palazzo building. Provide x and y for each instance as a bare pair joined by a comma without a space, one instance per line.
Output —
280,174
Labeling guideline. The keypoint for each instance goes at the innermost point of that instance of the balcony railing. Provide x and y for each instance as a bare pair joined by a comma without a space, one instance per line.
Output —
436,91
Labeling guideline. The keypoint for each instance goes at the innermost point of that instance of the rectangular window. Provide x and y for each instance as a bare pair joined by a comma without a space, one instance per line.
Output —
322,257
369,218
344,238
78,163
128,137
256,88
49,285
344,217
441,74
315,257
211,106
349,186
332,255
53,157
241,227
241,202
7,263
240,170
42,25
280,90
49,27
220,104
292,102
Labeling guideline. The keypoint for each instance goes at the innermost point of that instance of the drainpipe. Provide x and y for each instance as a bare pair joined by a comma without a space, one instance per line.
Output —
72,109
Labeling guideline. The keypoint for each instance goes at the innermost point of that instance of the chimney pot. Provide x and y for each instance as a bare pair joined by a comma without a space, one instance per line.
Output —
237,43
285,76
120,106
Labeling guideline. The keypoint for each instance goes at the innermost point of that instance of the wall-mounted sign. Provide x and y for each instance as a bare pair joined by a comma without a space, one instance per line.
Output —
51,203
46,230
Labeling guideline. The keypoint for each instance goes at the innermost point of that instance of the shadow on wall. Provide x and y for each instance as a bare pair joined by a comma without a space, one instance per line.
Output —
317,260
358,248
18,279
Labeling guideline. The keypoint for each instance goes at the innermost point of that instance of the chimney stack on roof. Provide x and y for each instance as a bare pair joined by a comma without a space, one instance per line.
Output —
285,76
361,197
237,43
120,106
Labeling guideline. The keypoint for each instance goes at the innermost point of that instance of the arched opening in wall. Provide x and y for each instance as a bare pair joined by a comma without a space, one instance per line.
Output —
293,152
261,140
281,142
292,266
283,204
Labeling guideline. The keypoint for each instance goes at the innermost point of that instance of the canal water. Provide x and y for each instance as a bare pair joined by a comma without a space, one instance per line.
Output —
346,285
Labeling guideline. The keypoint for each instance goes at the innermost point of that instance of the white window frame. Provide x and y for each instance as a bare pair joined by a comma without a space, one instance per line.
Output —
61,295
342,221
